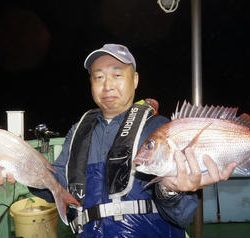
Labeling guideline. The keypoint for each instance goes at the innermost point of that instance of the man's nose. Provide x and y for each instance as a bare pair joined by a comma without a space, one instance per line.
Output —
108,84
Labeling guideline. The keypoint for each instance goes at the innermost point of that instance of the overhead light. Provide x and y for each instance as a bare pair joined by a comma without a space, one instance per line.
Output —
168,5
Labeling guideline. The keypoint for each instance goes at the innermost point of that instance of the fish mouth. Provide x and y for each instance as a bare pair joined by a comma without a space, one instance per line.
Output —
153,169
145,163
139,161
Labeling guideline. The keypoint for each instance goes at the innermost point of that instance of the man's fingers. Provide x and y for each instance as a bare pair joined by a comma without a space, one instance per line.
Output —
10,178
170,183
225,174
192,161
214,174
189,175
6,177
212,169
180,162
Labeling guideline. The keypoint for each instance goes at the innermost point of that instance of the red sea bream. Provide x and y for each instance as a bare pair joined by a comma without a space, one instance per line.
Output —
31,168
215,131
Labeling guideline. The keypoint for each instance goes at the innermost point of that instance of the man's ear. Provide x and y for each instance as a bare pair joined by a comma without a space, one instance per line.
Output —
136,79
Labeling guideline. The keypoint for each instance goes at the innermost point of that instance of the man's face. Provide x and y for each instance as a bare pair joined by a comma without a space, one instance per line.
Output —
113,85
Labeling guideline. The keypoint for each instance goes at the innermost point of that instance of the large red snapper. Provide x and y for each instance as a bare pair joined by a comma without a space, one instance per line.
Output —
31,168
215,131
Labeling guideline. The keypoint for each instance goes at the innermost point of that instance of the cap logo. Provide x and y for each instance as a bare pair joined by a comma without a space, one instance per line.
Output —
121,52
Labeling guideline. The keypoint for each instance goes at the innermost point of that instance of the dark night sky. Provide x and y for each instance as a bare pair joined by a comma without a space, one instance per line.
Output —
43,45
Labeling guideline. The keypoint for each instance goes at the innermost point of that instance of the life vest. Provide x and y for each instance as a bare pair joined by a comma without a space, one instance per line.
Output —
120,169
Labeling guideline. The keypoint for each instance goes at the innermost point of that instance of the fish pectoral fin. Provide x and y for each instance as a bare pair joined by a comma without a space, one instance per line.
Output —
152,181
196,137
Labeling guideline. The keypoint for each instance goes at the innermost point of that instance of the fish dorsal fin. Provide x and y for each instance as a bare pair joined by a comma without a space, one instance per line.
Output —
188,110
243,119
220,112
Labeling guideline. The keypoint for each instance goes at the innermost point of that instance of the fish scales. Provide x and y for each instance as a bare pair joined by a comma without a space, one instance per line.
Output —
220,138
31,168
224,140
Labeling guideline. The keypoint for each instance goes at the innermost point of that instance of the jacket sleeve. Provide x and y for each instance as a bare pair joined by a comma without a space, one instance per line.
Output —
178,209
60,169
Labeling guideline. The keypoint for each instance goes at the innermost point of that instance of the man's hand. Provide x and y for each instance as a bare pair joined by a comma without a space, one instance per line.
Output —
6,177
193,180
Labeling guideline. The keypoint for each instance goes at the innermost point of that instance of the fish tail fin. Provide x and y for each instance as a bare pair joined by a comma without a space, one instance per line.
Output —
62,199
154,104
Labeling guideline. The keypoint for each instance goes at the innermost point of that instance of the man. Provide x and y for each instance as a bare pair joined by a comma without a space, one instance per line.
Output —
96,161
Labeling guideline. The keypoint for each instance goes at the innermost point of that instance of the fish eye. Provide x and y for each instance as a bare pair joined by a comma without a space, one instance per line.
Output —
150,145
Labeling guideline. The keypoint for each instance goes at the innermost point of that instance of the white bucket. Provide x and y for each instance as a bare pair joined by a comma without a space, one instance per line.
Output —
34,218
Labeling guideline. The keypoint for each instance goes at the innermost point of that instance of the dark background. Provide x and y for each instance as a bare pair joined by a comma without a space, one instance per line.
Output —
43,45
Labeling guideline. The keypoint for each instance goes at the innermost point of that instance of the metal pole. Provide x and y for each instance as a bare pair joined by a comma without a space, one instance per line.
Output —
197,96
196,52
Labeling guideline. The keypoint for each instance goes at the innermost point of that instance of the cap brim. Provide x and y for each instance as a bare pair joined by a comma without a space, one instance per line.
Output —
98,53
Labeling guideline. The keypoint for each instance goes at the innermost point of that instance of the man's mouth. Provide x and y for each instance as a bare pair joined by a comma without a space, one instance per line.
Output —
109,98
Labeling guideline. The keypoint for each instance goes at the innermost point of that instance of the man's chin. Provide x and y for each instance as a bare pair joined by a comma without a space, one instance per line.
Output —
112,109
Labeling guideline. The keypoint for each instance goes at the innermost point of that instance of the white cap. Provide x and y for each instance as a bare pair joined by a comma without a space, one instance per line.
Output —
120,52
